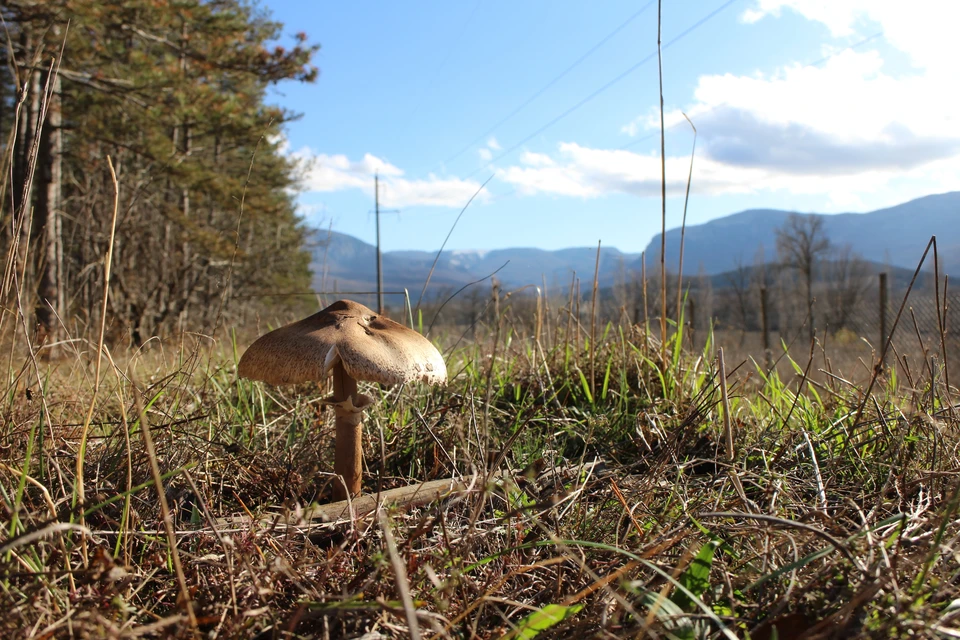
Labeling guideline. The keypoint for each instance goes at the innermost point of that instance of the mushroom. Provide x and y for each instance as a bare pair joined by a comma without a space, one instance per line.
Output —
354,343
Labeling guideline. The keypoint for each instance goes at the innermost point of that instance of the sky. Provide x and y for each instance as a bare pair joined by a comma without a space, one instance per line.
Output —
805,105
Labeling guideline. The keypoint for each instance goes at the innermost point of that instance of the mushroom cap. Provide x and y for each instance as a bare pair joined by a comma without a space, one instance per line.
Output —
370,346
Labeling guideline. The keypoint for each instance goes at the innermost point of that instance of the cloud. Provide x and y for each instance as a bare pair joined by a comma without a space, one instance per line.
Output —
327,173
542,174
849,111
578,171
740,137
586,172
924,30
854,123
486,152
536,159
432,192
858,124
838,15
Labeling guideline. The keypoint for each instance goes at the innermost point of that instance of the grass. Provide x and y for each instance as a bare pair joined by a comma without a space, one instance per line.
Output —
619,486
625,514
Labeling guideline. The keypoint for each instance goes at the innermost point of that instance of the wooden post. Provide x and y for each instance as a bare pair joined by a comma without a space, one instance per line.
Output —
883,316
646,315
765,328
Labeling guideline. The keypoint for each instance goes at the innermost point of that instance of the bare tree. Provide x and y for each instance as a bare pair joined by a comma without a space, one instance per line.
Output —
801,244
739,281
760,275
846,283
50,305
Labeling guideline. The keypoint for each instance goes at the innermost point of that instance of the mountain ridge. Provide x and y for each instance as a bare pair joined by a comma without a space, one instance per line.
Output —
894,236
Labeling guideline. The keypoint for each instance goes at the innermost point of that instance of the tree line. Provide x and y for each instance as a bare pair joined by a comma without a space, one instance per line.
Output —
175,93
811,283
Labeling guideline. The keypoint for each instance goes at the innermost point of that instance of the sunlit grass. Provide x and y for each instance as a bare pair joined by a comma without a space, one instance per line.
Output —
615,507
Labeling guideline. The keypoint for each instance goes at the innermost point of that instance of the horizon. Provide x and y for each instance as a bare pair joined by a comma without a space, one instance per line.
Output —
482,251
799,106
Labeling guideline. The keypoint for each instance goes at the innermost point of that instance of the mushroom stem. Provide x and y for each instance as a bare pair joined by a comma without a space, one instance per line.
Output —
348,446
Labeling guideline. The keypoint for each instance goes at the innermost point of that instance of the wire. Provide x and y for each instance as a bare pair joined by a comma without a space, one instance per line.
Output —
632,143
699,23
816,63
445,60
547,86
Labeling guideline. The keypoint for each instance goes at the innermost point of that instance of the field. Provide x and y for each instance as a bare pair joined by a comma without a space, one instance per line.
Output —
615,487
581,475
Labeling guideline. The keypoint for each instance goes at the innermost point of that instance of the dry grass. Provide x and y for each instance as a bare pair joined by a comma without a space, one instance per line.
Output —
623,516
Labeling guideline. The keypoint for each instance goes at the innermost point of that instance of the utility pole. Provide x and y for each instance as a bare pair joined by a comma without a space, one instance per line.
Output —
883,317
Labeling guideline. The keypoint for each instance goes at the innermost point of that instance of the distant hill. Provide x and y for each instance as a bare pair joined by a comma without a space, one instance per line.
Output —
350,264
895,236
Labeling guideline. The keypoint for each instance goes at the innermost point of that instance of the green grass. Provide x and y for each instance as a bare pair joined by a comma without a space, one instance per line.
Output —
623,515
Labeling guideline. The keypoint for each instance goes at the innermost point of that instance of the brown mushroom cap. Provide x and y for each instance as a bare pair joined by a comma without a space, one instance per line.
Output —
371,347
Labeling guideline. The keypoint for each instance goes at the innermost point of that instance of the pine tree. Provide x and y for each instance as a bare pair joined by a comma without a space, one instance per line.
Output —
174,92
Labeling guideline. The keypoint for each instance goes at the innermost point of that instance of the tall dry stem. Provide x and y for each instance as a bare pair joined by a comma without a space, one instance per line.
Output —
683,223
593,325
85,431
663,200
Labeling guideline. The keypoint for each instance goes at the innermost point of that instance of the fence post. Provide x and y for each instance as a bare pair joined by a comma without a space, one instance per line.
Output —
883,315
765,328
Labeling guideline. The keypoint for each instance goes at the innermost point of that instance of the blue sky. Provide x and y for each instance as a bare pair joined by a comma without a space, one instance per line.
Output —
808,105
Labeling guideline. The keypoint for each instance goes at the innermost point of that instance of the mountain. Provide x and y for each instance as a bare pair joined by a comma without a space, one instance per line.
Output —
348,264
896,235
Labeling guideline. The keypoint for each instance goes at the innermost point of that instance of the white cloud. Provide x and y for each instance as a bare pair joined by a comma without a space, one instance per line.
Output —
561,181
923,29
311,209
854,125
281,141
486,152
633,127
852,129
432,192
326,173
536,159
583,172
838,15
847,116
651,120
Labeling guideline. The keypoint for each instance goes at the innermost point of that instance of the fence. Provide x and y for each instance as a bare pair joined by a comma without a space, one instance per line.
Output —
866,314
752,316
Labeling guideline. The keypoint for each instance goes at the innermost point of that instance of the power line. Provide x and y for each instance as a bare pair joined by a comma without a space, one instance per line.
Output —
547,86
815,63
445,59
609,84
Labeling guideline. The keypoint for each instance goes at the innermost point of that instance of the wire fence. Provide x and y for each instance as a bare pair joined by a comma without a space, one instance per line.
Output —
851,314
867,312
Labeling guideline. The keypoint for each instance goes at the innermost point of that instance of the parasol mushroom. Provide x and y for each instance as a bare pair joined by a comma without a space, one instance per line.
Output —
354,344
